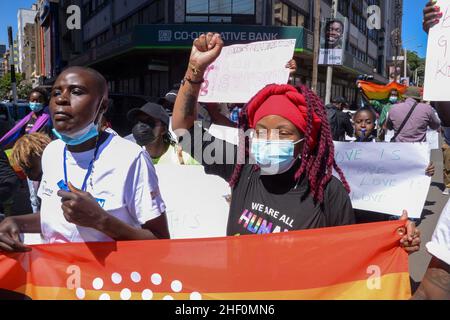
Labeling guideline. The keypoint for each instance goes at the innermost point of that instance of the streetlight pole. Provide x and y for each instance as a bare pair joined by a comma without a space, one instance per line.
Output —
316,45
13,68
330,68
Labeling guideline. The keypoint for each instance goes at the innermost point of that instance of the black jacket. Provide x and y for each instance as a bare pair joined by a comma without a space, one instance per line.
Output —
9,181
339,122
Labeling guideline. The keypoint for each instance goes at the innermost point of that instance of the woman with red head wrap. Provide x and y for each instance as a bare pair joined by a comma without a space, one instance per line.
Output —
282,173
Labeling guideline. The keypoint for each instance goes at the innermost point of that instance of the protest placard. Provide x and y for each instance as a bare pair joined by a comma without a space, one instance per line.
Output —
332,41
244,69
196,202
437,69
386,177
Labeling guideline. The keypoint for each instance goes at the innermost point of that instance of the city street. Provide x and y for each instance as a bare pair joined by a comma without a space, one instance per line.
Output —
433,207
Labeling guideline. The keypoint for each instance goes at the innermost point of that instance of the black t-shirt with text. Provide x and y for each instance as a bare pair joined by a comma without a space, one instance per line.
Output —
268,204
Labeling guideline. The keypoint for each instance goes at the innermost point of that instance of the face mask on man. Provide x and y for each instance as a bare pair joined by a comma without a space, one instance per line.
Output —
143,134
81,136
274,156
36,106
393,99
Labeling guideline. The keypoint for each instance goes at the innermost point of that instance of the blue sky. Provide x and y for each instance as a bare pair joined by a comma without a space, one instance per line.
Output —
8,16
413,35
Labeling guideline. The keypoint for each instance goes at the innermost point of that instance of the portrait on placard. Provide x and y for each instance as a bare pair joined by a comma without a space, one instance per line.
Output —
332,42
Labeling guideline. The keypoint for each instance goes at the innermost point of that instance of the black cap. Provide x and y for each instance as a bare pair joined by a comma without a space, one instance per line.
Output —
170,96
153,110
339,100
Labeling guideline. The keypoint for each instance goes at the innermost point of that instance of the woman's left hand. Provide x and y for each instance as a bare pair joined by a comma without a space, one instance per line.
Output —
81,208
429,171
292,66
410,240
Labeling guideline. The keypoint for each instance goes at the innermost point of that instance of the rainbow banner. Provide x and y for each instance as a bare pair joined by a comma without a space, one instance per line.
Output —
375,91
350,262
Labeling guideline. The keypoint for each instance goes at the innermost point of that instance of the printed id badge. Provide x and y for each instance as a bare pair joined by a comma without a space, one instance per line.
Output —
63,186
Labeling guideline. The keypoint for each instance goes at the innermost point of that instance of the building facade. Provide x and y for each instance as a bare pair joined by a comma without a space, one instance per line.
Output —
49,27
142,46
25,17
2,57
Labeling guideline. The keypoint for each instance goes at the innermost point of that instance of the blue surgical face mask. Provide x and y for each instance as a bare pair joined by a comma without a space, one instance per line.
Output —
80,136
36,106
274,156
393,99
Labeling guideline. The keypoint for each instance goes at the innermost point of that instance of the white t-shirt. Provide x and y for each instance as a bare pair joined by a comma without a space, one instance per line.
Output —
439,246
123,176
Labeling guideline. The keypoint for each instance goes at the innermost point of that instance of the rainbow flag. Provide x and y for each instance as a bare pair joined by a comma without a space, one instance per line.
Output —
380,92
350,262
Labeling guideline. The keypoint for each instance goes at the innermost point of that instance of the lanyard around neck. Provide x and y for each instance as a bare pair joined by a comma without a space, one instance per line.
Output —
89,171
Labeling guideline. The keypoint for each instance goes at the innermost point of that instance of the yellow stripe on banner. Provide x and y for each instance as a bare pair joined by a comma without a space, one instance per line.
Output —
395,286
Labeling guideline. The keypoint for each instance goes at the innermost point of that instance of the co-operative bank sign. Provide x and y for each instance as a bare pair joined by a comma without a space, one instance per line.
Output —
182,36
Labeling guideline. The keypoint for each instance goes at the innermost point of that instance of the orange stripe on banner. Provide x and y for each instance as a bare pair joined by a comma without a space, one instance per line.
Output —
389,287
287,262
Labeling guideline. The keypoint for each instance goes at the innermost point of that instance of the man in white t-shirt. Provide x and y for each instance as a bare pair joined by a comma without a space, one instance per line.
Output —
436,282
95,186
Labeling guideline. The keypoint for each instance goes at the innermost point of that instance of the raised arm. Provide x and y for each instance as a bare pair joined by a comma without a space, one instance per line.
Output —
205,51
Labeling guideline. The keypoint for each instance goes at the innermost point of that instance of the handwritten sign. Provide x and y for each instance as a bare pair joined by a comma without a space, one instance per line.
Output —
243,69
437,69
386,177
196,202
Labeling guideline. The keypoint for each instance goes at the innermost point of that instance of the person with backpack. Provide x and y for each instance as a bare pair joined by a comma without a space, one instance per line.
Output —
340,122
410,119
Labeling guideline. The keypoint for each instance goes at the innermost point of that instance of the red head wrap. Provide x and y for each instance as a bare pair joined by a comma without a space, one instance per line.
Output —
284,101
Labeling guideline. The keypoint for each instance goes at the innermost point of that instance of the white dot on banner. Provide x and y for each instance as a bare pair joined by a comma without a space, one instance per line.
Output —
125,294
116,278
147,294
168,298
97,283
135,277
176,286
104,296
80,293
156,279
195,296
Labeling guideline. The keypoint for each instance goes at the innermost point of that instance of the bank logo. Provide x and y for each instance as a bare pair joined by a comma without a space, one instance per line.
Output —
165,35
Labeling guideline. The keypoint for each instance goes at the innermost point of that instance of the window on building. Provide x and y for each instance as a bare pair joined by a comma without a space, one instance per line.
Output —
286,15
343,7
153,13
221,11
